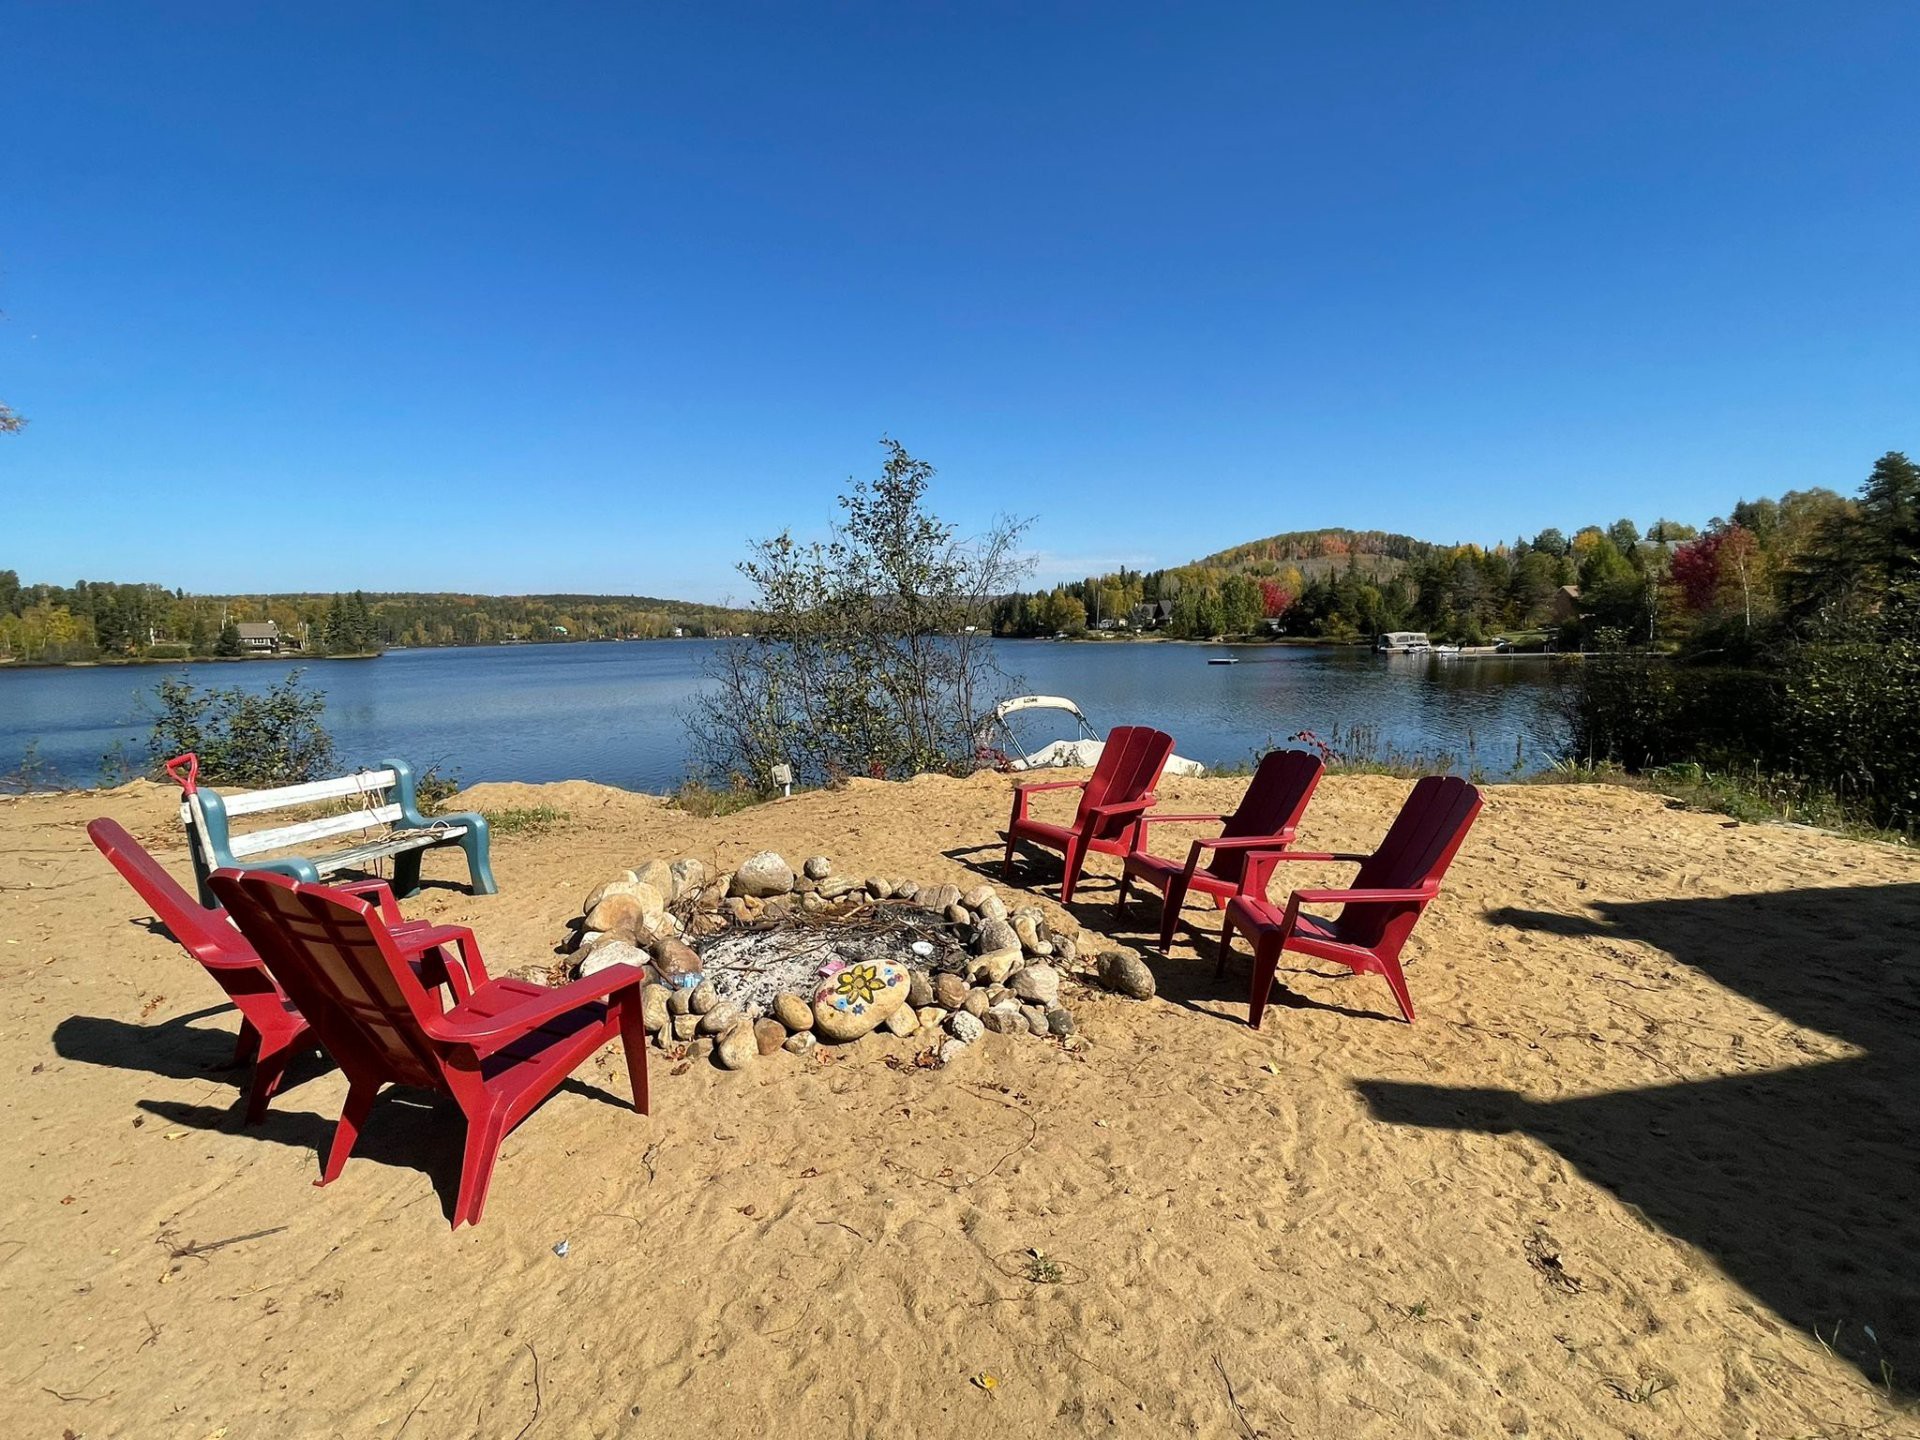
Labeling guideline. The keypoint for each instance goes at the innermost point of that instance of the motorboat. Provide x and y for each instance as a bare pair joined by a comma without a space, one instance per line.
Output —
1223,660
999,746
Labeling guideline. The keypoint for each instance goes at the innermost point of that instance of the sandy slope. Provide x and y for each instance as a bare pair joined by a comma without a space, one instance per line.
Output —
1654,1127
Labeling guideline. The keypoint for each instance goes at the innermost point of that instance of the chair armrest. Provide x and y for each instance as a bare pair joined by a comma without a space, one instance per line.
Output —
380,893
1336,856
472,970
1021,793
1420,893
1121,807
1256,846
468,1029
1246,842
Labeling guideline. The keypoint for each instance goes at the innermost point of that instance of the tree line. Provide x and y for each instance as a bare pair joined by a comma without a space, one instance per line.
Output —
95,619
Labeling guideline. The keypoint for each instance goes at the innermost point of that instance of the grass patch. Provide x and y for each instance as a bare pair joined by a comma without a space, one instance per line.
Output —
696,797
1747,795
526,819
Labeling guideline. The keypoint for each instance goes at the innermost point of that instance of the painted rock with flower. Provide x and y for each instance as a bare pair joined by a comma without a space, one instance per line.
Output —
853,1000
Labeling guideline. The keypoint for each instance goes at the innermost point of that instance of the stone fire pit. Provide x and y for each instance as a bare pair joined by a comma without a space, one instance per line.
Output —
767,958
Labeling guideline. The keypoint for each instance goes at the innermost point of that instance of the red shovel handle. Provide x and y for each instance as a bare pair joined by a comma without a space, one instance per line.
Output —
190,764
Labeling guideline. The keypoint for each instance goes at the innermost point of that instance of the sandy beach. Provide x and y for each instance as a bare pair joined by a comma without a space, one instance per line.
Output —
1644,1167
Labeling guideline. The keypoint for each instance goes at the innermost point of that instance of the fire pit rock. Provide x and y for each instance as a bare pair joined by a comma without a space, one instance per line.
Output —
770,957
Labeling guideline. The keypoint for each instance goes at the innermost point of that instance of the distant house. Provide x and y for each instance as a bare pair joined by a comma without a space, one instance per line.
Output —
262,636
1150,615
1565,604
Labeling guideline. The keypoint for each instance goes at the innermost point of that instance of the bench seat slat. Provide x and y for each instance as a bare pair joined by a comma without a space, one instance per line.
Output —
253,802
379,849
287,835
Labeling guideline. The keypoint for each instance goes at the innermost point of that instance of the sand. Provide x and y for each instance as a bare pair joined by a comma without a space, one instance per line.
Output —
1644,1167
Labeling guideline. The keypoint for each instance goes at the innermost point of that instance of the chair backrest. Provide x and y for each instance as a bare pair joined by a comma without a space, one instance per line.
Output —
337,960
205,933
1418,848
1275,799
1129,768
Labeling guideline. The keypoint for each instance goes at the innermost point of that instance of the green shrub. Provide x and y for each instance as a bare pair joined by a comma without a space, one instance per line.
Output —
273,738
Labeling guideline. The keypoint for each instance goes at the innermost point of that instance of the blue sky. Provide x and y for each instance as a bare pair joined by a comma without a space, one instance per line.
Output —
580,298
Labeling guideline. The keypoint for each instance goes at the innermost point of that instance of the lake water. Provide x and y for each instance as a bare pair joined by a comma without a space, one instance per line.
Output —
613,712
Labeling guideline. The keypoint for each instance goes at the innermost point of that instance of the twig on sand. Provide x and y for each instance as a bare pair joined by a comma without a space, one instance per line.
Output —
1239,1411
534,1418
846,1227
194,1250
416,1406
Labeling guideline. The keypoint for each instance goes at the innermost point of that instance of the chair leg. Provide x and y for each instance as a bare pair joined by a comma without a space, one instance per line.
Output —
1170,903
1390,972
1226,946
352,1116
269,1068
1075,857
1006,862
484,1134
1126,889
633,1041
1266,963
246,1046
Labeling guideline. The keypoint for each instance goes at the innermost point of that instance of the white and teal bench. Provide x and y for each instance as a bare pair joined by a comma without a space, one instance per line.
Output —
386,814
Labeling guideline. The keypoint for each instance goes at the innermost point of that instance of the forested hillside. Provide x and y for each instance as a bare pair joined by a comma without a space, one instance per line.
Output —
93,619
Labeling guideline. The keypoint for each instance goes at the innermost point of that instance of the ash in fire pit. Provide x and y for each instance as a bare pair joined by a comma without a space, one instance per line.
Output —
765,958
750,965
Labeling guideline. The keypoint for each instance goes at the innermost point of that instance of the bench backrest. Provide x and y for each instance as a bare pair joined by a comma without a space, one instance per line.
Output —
222,810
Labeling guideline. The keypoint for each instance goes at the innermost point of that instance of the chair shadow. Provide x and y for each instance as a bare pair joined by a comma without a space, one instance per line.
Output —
408,1129
1800,1182
1190,984
177,1048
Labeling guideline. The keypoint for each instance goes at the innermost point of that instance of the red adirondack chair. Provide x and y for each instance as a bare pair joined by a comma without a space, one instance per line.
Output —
1378,911
1243,852
499,1050
1112,800
272,1031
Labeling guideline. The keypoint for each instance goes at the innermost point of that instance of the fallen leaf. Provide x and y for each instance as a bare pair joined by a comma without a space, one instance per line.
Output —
986,1382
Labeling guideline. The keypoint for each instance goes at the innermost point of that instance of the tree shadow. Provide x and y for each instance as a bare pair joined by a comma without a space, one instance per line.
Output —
1803,1182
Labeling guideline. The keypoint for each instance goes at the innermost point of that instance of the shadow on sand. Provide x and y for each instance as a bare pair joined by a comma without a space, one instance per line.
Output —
1803,1183
1190,982
409,1129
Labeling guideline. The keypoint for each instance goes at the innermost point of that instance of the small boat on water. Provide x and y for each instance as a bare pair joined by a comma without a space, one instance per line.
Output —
1223,660
1403,642
997,746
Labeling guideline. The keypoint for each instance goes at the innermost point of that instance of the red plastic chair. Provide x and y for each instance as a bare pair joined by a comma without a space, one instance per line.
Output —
499,1051
1378,911
272,1031
1243,859
1112,801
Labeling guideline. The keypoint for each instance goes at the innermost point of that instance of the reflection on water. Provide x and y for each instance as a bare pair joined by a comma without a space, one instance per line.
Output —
614,712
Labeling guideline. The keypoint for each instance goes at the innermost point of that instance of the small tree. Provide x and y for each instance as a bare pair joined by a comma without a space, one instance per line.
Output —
869,654
275,738
229,641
